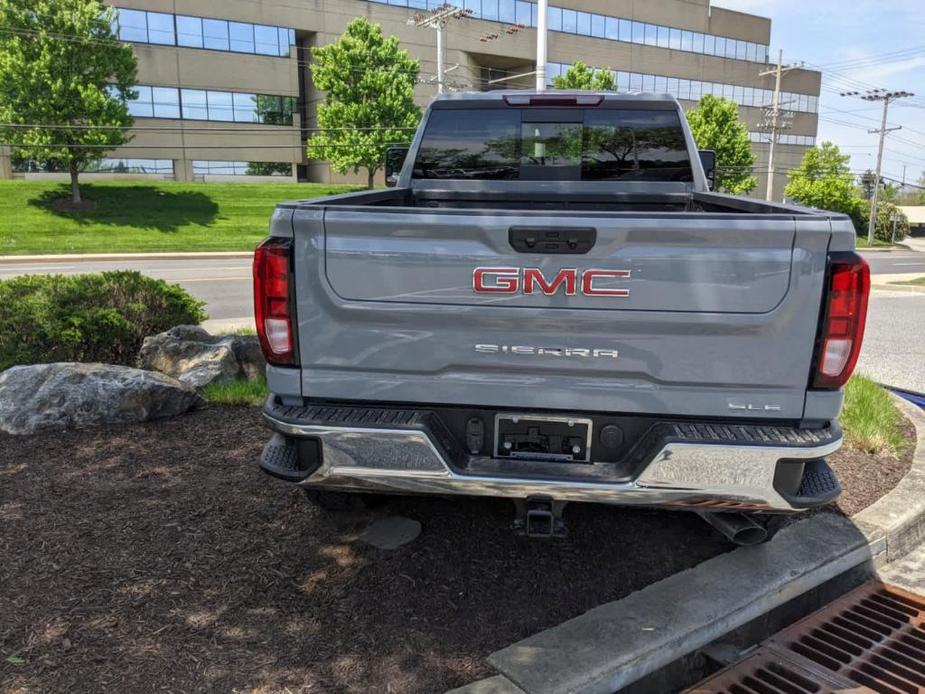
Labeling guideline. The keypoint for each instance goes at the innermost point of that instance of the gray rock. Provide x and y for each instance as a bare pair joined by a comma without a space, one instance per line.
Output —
68,395
190,354
391,532
250,357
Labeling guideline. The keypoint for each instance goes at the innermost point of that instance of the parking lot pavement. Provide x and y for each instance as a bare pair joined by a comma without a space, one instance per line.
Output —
894,341
895,262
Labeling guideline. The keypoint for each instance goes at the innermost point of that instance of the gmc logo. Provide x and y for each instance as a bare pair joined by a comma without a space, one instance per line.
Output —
530,280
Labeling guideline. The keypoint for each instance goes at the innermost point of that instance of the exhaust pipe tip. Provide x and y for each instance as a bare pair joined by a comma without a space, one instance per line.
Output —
738,528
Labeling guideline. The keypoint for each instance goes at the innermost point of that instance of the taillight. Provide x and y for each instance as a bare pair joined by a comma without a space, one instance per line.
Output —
272,302
843,320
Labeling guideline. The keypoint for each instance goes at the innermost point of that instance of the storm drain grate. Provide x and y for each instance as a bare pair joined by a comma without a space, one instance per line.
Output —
870,640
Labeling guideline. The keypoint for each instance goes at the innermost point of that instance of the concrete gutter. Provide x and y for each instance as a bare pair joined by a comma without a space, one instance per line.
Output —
86,257
619,643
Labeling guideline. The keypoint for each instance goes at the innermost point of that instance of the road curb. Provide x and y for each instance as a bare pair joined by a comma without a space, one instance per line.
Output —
78,257
616,644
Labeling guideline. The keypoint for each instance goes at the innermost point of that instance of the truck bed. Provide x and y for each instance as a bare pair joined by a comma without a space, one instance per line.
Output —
558,198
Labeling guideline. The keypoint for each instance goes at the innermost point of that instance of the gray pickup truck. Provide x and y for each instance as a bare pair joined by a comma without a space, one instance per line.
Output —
550,305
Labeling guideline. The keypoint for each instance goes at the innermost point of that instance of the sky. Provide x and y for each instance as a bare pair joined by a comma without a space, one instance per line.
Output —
857,45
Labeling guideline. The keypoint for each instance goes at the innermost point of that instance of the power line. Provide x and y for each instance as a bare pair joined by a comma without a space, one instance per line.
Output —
886,97
277,129
63,145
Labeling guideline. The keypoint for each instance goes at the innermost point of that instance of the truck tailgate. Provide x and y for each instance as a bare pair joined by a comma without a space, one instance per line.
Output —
690,314
675,263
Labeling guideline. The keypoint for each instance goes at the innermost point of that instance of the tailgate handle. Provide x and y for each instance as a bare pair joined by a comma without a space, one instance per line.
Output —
565,240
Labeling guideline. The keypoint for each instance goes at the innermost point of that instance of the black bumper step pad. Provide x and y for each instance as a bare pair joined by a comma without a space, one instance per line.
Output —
280,458
373,417
819,486
752,434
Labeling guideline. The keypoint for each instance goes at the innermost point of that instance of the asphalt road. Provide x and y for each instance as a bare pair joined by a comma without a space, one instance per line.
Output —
894,341
894,346
895,262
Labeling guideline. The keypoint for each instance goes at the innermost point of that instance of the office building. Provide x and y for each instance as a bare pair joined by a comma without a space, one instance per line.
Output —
225,88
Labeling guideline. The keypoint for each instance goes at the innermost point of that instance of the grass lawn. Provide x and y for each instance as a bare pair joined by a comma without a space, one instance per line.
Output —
145,216
870,420
236,392
917,282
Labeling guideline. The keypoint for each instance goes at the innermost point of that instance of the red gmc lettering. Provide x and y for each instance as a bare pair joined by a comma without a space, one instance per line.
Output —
533,276
505,280
587,282
511,280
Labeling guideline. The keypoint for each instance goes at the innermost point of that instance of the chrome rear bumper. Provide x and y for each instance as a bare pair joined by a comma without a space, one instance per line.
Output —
691,473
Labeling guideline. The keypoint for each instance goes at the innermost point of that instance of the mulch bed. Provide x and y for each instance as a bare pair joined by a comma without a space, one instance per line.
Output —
865,477
158,557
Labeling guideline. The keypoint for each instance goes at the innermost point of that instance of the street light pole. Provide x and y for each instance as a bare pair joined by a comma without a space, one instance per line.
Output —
886,97
440,72
541,6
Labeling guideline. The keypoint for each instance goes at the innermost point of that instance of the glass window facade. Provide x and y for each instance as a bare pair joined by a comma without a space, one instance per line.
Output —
785,139
603,26
140,166
203,167
693,89
136,26
213,105
162,167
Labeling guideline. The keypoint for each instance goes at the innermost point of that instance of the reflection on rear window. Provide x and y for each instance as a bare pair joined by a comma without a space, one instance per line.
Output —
599,145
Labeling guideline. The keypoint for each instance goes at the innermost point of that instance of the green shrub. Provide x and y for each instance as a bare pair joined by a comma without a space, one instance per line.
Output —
100,317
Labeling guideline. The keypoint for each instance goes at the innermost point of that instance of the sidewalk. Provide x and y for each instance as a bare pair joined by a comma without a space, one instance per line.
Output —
915,243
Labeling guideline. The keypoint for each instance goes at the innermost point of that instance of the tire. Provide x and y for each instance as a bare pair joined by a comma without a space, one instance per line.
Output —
343,501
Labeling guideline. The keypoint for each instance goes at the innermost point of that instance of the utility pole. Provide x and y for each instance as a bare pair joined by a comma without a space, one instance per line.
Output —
774,121
541,16
438,18
886,97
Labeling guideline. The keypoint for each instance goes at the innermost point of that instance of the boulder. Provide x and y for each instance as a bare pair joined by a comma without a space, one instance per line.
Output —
250,357
69,396
191,355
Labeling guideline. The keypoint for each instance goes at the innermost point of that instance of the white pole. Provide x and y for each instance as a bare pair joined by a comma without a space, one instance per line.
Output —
541,45
439,57
873,201
775,114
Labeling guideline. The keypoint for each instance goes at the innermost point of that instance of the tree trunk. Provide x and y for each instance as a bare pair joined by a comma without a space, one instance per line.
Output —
370,178
75,187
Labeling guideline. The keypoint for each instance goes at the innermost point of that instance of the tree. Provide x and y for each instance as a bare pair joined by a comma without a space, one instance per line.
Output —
824,180
868,181
715,125
369,103
885,229
82,82
888,193
582,77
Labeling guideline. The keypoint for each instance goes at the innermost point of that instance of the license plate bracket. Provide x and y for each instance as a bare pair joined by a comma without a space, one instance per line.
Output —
534,437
